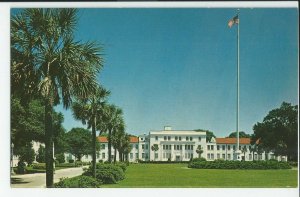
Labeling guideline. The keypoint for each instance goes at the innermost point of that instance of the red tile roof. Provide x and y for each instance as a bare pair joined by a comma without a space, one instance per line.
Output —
102,139
232,140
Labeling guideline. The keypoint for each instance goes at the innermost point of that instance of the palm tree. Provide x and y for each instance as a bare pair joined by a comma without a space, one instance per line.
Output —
244,150
154,148
199,150
89,111
115,138
48,63
252,149
113,118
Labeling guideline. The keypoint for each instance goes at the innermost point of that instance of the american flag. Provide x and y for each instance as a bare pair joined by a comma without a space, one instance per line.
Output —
234,20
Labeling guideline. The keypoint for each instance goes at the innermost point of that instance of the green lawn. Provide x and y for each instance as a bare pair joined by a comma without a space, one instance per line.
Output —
178,175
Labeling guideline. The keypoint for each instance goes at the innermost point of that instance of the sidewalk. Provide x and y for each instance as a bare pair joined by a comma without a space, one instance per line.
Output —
38,180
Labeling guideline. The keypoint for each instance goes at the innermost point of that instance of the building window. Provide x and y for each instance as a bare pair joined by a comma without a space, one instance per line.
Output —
255,157
250,156
131,155
208,147
179,138
212,147
146,146
176,138
223,147
240,147
199,138
163,147
208,156
192,155
218,156
218,147
165,138
192,146
98,155
191,138
143,146
103,155
136,146
169,138
156,138
260,157
228,157
187,138
156,155
233,147
143,155
212,156
146,155
223,156
228,147
136,155
102,146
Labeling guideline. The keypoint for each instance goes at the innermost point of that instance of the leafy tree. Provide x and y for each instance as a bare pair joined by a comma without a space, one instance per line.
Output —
279,131
47,62
60,157
79,142
26,153
209,134
154,148
199,150
242,134
41,155
90,111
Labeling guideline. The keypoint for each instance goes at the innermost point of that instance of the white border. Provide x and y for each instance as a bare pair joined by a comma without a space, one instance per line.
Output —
5,105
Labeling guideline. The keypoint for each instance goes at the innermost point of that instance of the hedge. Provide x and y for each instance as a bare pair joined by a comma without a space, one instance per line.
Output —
39,166
78,182
107,173
224,164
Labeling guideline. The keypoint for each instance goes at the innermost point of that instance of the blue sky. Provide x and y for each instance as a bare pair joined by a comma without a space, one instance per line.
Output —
177,67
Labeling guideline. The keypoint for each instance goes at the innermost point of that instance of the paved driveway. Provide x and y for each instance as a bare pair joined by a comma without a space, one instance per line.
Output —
38,180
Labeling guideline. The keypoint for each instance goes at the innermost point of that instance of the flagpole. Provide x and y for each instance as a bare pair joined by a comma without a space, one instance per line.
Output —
238,85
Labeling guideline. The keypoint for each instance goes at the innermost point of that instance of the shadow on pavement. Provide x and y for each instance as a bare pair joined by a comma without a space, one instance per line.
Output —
17,181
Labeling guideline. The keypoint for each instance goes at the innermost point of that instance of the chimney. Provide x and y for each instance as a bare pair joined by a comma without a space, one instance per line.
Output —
167,128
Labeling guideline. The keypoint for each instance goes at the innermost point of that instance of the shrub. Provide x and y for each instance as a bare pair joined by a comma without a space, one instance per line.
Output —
81,163
122,165
222,164
198,159
39,166
60,158
65,165
21,167
71,160
107,173
78,182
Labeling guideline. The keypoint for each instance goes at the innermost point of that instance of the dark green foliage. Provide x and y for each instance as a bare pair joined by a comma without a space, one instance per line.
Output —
21,167
26,153
79,142
71,160
39,166
279,131
107,173
65,165
162,162
122,165
60,158
198,159
81,163
78,182
41,155
223,164
242,134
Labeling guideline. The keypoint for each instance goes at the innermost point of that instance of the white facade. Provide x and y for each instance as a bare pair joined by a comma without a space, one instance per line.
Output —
176,145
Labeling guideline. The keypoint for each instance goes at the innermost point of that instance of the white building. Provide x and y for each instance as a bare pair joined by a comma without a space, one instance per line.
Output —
176,145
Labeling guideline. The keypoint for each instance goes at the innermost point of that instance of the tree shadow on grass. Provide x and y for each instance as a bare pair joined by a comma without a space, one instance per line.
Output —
17,181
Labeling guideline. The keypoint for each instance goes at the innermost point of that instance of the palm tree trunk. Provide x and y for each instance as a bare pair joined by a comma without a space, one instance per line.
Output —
48,144
120,156
109,146
94,147
115,155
